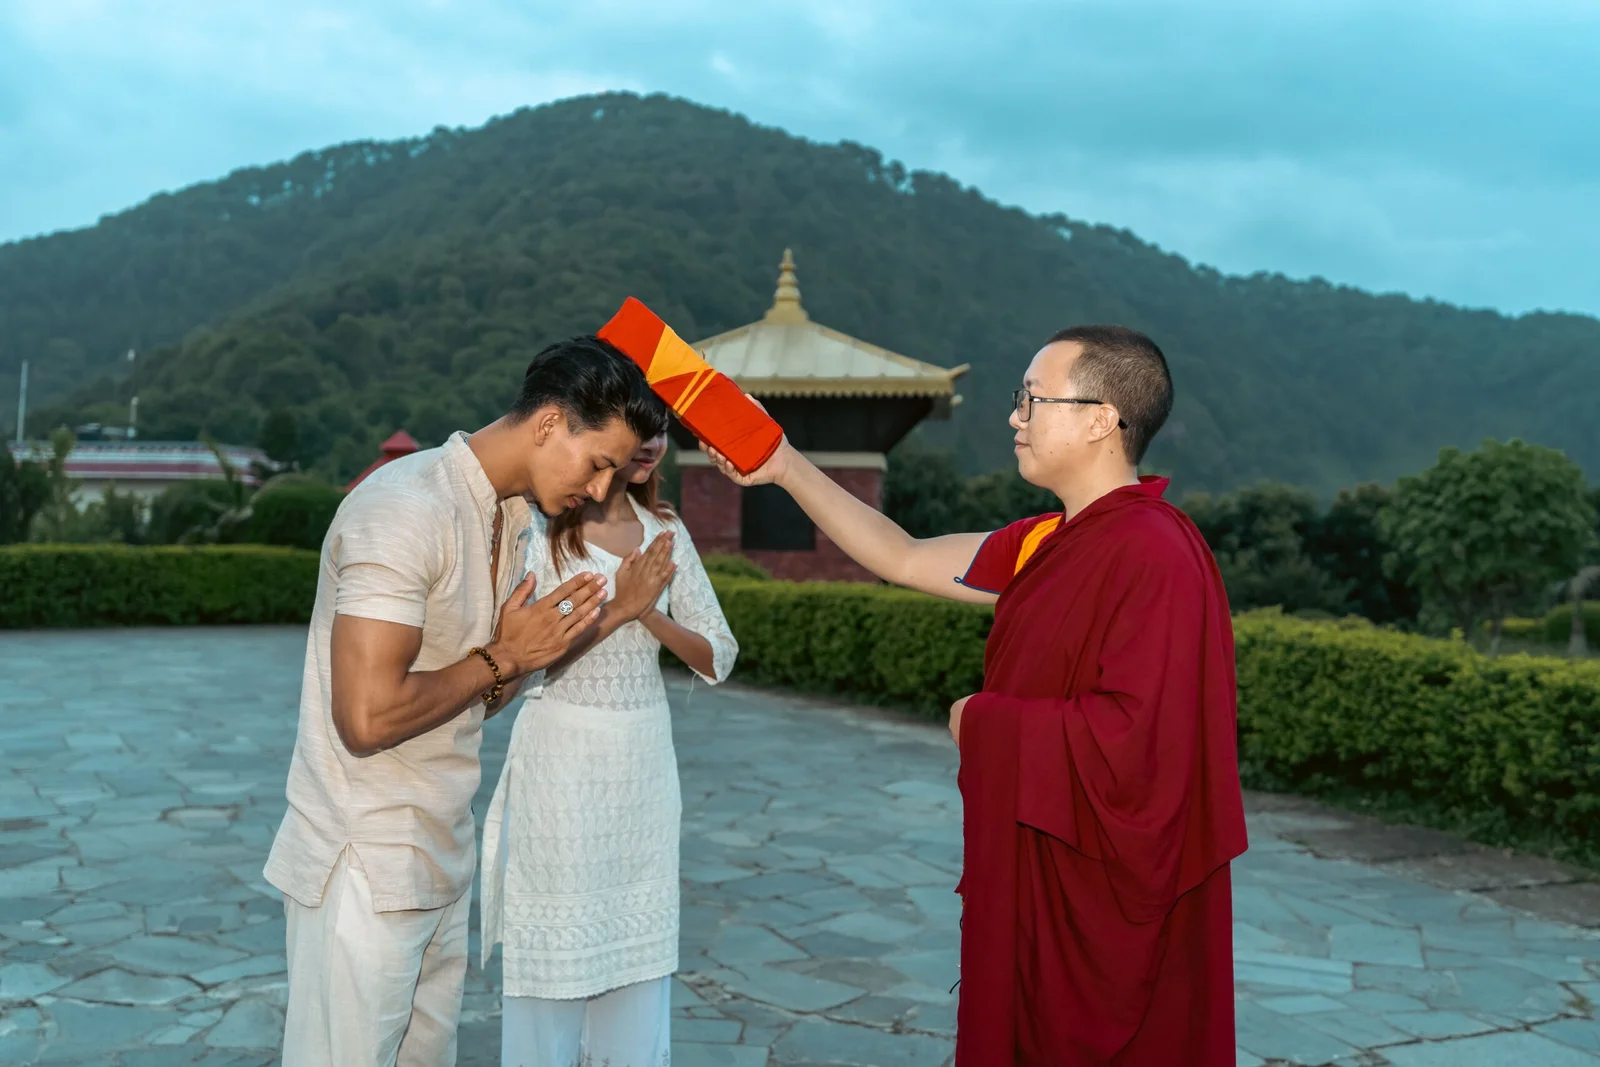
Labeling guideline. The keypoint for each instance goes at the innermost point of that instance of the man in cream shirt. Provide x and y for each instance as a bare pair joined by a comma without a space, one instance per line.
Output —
409,651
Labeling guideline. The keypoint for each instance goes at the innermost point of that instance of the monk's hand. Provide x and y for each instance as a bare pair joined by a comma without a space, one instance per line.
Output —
955,718
769,472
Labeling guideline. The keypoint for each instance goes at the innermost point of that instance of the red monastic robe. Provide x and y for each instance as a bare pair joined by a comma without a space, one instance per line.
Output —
1099,772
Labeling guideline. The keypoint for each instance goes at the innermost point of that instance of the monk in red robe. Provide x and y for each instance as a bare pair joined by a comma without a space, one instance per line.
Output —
1099,770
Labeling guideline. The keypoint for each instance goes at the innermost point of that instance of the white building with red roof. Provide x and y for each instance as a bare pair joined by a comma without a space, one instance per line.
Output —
142,468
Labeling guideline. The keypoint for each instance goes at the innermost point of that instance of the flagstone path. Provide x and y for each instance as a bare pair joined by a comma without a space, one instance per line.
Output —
143,778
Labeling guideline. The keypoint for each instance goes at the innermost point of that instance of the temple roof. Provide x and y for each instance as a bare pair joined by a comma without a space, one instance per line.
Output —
399,444
786,354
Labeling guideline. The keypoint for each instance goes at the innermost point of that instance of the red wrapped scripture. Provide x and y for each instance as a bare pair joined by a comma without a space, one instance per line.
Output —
705,400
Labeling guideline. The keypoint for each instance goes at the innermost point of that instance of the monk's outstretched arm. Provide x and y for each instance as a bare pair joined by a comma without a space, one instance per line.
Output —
930,565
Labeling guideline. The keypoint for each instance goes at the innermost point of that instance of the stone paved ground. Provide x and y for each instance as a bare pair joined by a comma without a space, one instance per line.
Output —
143,781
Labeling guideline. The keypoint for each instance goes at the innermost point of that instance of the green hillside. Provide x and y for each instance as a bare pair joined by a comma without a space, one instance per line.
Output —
371,286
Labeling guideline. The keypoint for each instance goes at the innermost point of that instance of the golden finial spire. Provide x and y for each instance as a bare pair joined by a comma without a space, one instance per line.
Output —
786,301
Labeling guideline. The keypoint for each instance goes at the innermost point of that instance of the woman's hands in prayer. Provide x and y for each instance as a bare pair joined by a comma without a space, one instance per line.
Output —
955,718
642,577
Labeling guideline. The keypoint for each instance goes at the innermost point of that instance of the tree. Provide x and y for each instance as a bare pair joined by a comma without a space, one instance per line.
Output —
186,507
120,517
1584,584
1480,531
229,515
923,491
113,517
24,489
280,437
1259,537
1594,502
1000,498
1347,542
59,518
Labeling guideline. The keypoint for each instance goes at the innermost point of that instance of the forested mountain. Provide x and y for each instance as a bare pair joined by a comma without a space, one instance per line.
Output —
371,286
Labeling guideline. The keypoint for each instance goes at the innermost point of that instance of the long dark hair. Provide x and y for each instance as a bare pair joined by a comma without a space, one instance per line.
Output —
566,529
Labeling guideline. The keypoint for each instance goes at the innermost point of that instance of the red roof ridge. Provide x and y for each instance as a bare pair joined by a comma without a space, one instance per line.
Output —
399,443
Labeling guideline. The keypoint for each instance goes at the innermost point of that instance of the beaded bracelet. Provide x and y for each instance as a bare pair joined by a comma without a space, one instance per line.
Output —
493,694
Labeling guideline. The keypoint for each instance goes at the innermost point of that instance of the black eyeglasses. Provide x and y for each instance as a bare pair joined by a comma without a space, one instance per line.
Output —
1022,402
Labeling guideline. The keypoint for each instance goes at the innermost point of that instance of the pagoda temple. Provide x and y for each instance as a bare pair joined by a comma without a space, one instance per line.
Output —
841,401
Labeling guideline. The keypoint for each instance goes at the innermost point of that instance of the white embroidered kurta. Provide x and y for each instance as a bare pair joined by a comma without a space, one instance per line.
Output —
580,845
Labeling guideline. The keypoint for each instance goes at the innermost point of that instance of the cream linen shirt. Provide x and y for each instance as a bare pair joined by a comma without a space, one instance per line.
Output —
409,545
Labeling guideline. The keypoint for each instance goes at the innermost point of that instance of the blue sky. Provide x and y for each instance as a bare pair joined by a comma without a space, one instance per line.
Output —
1445,148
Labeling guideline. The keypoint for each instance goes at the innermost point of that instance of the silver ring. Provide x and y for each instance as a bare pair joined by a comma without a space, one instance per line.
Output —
565,607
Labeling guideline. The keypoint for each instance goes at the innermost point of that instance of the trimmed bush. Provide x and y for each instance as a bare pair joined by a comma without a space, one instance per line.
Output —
1520,630
728,565
1557,626
296,514
119,585
1507,749
871,642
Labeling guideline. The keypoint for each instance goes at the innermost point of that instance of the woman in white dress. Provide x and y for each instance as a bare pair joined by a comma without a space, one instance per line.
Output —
580,856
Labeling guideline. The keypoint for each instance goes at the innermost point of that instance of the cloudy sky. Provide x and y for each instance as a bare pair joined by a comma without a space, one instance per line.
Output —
1445,148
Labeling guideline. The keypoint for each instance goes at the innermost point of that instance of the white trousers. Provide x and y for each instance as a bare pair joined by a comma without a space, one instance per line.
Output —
627,1027
372,989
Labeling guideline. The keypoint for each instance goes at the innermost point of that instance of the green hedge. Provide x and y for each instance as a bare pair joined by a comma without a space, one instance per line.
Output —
295,514
1555,628
1505,749
1558,625
728,565
119,585
869,642
1531,630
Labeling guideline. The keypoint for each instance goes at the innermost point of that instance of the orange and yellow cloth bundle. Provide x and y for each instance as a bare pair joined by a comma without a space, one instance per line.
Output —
705,400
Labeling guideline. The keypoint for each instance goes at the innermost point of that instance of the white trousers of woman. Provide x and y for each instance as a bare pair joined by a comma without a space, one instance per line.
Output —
627,1027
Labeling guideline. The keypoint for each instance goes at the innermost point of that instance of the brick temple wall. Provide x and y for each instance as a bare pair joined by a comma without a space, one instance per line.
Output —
711,511
710,506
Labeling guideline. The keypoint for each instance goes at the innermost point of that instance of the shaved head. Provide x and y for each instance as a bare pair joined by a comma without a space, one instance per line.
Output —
1125,369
